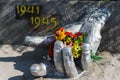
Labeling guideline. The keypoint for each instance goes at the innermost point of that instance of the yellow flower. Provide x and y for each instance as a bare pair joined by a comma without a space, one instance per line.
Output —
76,54
68,40
76,51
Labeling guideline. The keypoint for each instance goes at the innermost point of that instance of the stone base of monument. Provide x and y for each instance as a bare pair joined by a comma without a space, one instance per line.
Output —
58,76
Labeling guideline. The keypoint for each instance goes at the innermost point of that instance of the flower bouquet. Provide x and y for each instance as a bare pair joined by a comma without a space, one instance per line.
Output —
75,41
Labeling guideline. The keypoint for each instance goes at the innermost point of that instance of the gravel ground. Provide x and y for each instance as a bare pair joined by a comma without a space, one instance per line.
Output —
16,60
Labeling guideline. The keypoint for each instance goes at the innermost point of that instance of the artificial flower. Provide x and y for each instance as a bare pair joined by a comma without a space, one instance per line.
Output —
76,51
80,36
68,40
77,33
50,52
69,34
75,41
60,35
75,54
80,43
74,36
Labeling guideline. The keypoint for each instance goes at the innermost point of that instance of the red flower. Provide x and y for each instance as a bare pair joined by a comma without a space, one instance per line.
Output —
68,43
80,43
72,44
69,34
56,32
50,52
61,29
78,33
74,36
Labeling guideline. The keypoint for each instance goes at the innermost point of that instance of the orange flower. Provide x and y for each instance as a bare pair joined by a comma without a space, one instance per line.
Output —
60,34
80,36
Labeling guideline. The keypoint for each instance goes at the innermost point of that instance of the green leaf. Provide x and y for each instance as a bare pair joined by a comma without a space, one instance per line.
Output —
96,58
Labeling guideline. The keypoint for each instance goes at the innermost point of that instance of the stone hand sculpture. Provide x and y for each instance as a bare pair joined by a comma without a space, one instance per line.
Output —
92,23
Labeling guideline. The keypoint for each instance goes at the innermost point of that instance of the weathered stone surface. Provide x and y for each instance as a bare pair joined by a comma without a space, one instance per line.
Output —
105,69
15,62
14,31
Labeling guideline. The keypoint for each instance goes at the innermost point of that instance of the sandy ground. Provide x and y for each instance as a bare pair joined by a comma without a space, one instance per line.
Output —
16,60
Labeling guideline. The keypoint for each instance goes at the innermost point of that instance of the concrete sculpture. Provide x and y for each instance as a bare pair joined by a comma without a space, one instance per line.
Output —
64,65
